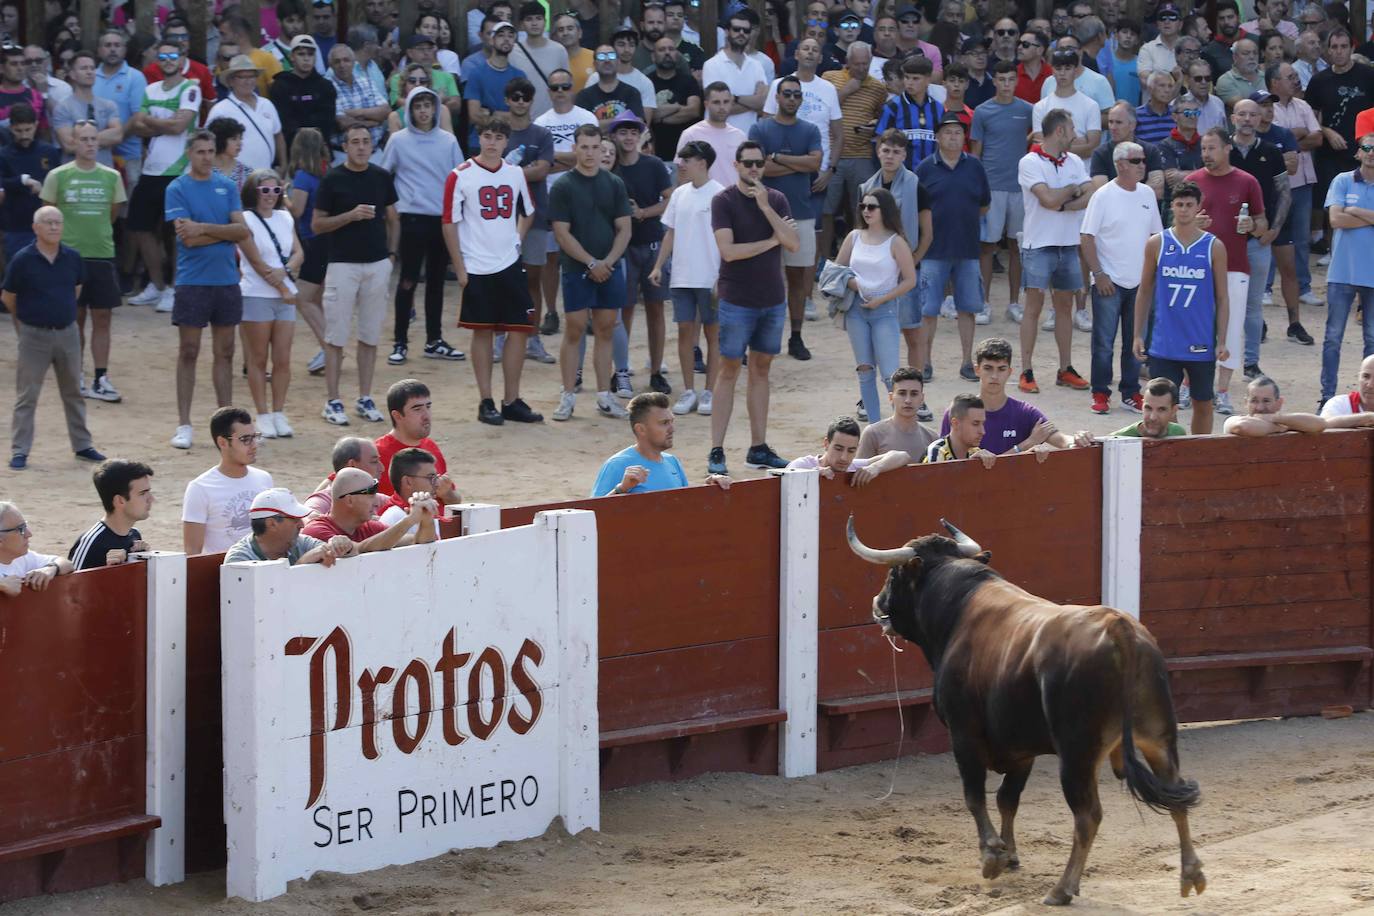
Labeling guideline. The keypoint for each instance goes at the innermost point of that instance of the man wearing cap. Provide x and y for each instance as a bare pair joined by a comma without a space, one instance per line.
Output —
350,515
1211,109
1158,56
909,36
420,50
263,143
302,95
357,100
486,89
974,56
733,66
849,30
276,520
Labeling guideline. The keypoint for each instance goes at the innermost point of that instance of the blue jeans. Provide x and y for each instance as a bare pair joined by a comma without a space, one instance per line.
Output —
1108,312
1300,227
1261,258
1340,298
743,328
876,338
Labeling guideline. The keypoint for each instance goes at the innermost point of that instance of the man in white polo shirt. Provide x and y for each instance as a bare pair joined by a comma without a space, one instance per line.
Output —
263,142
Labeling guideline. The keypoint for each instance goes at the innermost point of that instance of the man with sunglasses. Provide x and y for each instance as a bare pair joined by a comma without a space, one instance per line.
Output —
215,509
733,66
350,515
40,79
607,97
20,566
1004,35
974,56
1350,207
177,31
1158,56
909,36
1211,110
1031,69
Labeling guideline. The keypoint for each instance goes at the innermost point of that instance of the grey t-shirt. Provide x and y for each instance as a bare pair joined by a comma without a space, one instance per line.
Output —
884,436
552,56
246,549
1003,130
70,110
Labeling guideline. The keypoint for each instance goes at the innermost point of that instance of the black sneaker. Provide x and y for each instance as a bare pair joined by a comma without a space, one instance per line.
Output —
1320,246
1252,372
487,413
660,384
90,454
1264,331
398,354
1298,334
440,349
698,363
577,385
715,462
761,456
796,349
927,373
967,374
549,325
518,411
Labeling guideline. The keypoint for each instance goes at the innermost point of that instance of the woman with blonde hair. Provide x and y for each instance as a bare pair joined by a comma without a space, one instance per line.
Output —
308,162
271,258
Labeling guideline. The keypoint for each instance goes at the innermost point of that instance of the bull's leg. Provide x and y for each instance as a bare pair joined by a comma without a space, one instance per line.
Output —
1190,876
1008,800
1078,777
974,774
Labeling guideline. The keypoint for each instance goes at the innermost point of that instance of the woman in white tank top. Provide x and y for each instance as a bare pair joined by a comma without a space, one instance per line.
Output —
883,272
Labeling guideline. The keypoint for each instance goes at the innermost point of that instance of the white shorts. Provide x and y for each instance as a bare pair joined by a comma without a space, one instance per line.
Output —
1237,288
356,289
1005,217
805,256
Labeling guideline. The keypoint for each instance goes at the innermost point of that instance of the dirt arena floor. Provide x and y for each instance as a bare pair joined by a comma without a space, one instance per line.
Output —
514,465
1286,826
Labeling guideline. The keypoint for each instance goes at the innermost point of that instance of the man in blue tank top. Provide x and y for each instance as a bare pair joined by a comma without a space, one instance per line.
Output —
1183,304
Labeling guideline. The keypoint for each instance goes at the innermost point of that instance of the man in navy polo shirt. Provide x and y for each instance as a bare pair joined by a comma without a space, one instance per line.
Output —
40,289
959,195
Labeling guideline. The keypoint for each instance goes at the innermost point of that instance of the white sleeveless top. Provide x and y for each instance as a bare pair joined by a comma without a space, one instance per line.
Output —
874,266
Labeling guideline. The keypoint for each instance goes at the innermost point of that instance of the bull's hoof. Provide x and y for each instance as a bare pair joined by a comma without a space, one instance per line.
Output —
996,859
1058,897
1192,879
1013,862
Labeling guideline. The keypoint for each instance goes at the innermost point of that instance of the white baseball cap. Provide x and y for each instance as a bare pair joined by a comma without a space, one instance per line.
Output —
277,501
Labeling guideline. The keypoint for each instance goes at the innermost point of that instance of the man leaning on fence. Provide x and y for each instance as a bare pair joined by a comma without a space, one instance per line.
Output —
276,519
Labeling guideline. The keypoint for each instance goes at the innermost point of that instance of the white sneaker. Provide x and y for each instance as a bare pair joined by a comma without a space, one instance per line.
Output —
534,349
1083,319
811,312
85,392
685,403
149,296
334,413
1324,261
566,402
182,439
166,300
704,404
367,409
102,389
621,385
984,316
267,426
609,407
1015,312
1048,323
947,309
1185,397
1268,298
284,430
1310,298
1223,405
498,347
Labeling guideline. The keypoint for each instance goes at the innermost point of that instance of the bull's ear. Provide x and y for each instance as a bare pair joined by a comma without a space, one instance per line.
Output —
985,557
915,565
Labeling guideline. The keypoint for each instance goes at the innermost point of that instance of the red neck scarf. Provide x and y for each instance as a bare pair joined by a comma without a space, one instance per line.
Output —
1184,140
1057,160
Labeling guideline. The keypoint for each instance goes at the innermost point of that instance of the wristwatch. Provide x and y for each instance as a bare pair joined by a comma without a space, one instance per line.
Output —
591,265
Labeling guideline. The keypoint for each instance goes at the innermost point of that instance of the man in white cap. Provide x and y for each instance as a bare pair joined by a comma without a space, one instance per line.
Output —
277,518
302,95
263,142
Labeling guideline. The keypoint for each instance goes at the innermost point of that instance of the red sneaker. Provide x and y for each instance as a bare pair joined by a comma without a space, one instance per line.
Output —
1102,402
1135,403
1068,378
1027,383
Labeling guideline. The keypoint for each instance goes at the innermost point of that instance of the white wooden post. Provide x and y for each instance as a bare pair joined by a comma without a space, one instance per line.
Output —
580,742
165,766
477,517
798,631
1122,469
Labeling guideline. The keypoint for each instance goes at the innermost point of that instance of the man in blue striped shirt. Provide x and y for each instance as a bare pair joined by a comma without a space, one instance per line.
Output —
1155,119
913,112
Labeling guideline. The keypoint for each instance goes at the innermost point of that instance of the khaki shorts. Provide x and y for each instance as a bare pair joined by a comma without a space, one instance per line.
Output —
356,289
805,256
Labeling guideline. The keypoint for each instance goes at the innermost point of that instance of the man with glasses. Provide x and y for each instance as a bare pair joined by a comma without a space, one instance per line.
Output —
263,143
1031,69
357,102
20,566
1158,56
1181,151
420,51
38,76
178,32
412,475
909,36
1211,109
733,66
974,56
1350,207
215,509
1005,33
608,97
302,96
350,515
1244,77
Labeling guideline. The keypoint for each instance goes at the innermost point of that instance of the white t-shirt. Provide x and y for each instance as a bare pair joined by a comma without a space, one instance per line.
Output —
394,514
221,504
261,125
820,106
696,259
486,204
26,564
563,126
1086,115
167,152
283,227
724,140
1121,222
1043,228
1343,405
813,463
742,80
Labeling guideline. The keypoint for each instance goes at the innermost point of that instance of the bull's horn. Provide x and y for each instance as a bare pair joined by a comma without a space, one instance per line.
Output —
894,557
967,546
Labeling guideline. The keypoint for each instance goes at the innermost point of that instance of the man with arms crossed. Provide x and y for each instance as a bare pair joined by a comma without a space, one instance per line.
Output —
1267,416
1350,207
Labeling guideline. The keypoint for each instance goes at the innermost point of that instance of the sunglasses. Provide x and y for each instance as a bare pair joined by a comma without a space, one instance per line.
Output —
1190,112
560,87
1005,33
607,55
790,93
1028,44
370,491
521,97
868,208
741,29
751,163
269,189
317,4
418,80
818,23
910,20
1366,148
22,528
173,55
1134,160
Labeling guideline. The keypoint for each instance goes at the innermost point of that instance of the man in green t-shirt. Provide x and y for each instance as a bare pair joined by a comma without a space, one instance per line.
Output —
1159,413
89,195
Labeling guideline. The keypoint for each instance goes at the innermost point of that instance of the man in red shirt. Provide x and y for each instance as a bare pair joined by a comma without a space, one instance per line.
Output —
351,515
411,409
1031,69
1364,123
178,31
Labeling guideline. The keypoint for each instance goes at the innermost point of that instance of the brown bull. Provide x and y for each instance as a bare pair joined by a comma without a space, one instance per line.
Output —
1017,676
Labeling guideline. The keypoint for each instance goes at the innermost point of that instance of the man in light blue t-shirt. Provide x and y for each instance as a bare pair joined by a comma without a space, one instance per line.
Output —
1350,204
646,466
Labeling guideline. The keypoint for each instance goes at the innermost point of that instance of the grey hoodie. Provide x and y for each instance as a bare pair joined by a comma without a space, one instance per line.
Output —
421,160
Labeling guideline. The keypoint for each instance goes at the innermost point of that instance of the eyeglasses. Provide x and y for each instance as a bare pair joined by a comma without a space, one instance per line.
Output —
751,163
560,87
607,55
790,93
1005,33
849,25
521,97
418,80
868,208
1200,78
432,478
22,528
249,438
168,55
269,189
317,4
370,491
1134,160
35,61
1169,17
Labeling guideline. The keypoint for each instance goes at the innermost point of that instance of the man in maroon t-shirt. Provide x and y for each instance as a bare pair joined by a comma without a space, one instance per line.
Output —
409,404
353,491
1225,189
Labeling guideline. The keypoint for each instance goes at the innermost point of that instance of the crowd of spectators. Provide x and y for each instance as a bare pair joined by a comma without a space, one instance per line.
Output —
1144,181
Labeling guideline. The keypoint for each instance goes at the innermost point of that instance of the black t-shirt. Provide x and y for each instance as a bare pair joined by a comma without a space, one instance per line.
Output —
304,102
1264,163
1338,98
1102,163
677,89
606,106
645,181
341,190
90,549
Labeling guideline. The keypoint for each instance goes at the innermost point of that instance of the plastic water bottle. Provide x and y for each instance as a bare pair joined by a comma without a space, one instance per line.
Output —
516,155
1243,214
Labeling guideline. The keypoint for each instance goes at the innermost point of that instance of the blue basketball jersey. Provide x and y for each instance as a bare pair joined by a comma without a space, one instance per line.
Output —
1183,322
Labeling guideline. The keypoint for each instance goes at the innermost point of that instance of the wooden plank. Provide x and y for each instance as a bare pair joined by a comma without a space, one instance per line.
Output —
1260,561
1249,627
706,726
1234,453
1156,596
1300,500
849,706
1261,640
1261,476
746,751
858,661
79,836
1199,706
1341,654
1201,537
688,683
72,788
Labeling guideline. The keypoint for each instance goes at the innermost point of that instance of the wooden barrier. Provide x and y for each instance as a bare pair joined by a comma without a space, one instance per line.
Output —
1043,524
204,746
72,734
1255,572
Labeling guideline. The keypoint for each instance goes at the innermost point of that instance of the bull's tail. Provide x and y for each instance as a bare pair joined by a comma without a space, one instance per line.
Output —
1144,785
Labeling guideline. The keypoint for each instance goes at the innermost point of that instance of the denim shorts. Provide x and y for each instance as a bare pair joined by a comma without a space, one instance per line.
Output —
581,292
964,273
743,328
1054,267
261,308
909,306
694,305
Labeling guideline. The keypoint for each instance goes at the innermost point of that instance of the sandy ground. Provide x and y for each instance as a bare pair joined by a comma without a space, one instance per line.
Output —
512,465
1284,827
